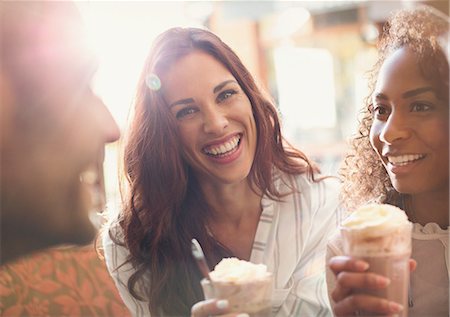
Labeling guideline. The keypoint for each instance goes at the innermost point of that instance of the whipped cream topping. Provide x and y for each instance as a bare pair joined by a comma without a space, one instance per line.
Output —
376,219
238,271
376,229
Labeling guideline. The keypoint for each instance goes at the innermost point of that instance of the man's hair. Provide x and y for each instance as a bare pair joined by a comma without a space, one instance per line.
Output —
34,44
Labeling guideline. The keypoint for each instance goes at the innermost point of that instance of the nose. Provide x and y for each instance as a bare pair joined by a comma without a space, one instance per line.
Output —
395,129
215,121
109,127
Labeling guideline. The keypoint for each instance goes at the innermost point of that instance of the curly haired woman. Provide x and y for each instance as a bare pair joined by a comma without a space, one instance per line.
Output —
400,157
205,159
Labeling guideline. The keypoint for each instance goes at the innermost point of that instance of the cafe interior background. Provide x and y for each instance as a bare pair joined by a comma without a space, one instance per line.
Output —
311,56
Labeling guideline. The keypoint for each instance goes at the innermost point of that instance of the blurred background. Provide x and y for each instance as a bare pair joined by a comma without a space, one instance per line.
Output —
310,56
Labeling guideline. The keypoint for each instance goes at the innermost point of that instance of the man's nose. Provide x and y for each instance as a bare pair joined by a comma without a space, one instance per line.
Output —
110,129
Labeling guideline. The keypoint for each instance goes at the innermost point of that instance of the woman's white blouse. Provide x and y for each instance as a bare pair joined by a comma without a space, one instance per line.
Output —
291,240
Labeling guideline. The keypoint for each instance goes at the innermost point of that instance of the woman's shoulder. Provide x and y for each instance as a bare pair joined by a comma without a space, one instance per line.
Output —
112,230
113,239
304,183
319,196
429,231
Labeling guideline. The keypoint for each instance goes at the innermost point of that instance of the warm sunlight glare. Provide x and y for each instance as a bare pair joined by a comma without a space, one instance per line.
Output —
120,33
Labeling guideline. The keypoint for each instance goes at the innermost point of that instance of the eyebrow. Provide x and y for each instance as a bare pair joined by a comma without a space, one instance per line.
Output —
190,100
418,91
223,84
407,94
182,102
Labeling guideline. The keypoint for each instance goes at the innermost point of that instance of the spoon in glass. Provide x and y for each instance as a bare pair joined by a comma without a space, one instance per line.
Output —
199,256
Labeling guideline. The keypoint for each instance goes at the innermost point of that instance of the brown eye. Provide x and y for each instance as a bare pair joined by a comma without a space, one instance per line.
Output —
420,107
185,112
380,111
225,95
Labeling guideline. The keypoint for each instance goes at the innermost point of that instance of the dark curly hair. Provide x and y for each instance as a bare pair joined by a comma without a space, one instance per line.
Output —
164,208
421,30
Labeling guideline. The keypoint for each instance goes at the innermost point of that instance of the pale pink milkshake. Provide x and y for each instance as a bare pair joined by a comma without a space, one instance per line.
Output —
381,235
246,286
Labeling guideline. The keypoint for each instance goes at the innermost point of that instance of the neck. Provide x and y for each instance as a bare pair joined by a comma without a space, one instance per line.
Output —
430,207
14,245
232,203
13,250
234,216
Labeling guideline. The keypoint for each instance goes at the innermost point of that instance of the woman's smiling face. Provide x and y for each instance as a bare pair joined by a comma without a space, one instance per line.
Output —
214,117
410,130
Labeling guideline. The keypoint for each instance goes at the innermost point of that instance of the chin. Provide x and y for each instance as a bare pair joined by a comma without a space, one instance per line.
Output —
77,226
51,234
86,236
81,232
407,189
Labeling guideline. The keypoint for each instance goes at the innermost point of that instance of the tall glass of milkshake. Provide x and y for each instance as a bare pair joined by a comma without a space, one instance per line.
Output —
246,286
381,235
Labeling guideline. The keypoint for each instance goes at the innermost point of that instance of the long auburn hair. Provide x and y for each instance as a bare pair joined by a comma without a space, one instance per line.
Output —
163,205
421,30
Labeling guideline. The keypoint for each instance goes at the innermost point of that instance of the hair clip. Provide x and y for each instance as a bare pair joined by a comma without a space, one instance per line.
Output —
153,82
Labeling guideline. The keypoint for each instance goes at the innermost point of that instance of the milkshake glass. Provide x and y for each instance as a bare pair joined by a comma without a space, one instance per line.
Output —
247,286
381,235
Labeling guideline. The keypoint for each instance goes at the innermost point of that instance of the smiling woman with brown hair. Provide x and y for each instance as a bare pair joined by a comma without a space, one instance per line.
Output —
205,159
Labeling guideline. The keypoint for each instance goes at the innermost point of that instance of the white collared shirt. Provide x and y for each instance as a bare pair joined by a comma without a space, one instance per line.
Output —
291,240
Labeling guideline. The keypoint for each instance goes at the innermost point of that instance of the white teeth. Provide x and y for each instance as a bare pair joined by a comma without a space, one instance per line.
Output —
404,159
223,148
89,176
91,180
